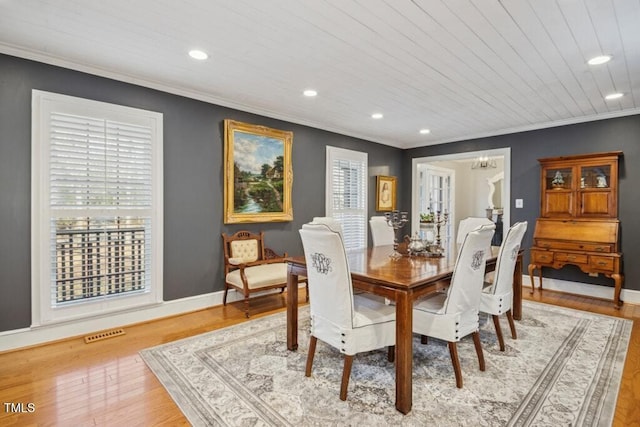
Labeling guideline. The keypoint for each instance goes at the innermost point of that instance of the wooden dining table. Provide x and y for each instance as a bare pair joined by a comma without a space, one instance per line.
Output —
402,280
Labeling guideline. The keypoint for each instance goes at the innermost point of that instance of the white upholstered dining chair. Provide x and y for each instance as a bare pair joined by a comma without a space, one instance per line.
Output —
453,315
381,233
350,323
497,295
470,223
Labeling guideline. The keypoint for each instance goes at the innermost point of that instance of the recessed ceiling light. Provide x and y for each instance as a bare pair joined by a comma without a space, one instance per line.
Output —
377,116
612,96
198,54
310,92
425,131
597,60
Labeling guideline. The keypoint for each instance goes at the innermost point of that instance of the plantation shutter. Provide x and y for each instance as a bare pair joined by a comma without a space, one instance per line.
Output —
100,194
97,164
347,194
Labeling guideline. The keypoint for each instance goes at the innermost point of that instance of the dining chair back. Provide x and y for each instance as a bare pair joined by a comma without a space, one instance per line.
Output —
468,224
381,232
331,222
497,296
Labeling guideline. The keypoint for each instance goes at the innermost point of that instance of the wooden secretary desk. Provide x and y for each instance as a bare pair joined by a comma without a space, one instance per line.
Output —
578,222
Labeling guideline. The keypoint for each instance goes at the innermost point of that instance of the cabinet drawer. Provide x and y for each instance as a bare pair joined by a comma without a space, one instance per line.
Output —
575,246
601,262
571,257
541,257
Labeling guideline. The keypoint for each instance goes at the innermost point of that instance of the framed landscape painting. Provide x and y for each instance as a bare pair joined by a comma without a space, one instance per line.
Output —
258,175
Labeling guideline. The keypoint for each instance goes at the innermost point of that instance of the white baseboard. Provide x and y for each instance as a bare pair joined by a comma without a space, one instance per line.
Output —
27,337
586,289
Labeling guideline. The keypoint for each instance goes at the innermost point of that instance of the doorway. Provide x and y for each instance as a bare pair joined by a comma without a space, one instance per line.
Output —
436,196
465,200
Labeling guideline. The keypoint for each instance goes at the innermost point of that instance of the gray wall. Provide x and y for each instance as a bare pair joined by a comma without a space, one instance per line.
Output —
193,179
526,147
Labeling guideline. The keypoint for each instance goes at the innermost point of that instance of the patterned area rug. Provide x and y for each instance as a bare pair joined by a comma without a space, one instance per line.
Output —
563,370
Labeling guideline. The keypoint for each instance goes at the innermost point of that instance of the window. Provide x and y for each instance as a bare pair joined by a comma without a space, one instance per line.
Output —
346,197
96,207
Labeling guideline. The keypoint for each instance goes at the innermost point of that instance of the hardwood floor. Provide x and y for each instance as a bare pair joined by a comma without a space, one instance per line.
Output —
107,383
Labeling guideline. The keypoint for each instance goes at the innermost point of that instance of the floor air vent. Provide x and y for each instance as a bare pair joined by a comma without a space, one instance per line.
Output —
103,335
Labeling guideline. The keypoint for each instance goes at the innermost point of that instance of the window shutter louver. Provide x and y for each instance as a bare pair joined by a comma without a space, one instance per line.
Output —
348,194
96,164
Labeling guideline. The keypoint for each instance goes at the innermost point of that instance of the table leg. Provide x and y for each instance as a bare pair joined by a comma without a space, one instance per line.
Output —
292,310
404,352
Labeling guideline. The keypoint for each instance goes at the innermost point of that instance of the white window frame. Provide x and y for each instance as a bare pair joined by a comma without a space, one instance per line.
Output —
356,234
43,313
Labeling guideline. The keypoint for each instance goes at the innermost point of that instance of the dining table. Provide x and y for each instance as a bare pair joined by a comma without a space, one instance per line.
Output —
403,280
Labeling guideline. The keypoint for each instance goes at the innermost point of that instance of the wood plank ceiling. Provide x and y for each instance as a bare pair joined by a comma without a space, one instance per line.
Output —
461,68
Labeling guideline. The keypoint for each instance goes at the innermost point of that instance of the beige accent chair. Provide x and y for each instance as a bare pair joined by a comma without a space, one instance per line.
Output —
350,323
251,267
454,314
497,295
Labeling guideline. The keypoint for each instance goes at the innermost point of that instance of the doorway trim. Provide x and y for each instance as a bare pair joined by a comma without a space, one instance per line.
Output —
496,152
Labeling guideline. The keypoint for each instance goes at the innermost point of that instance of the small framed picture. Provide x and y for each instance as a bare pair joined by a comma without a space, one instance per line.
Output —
385,193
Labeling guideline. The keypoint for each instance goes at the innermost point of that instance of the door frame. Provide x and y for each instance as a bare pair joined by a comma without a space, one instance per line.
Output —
496,152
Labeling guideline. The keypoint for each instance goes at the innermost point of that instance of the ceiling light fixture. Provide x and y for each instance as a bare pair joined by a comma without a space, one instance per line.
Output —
484,162
377,116
198,54
597,60
310,93
425,131
613,96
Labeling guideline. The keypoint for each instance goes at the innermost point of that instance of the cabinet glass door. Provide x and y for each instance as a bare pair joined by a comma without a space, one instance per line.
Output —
558,178
595,176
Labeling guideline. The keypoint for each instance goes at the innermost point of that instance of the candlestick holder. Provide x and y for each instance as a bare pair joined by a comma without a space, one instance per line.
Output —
440,220
396,220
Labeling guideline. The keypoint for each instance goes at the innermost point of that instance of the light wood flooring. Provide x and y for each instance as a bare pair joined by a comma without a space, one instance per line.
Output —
70,383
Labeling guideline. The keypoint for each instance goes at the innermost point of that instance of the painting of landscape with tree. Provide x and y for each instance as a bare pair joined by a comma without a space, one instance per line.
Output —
258,173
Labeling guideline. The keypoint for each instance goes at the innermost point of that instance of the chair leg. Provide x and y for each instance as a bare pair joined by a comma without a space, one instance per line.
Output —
476,342
224,298
453,351
310,354
391,353
423,339
512,325
346,373
246,306
307,286
496,322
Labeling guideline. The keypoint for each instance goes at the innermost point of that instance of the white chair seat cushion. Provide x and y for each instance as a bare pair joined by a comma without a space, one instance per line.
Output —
490,277
369,313
430,319
370,310
487,287
260,276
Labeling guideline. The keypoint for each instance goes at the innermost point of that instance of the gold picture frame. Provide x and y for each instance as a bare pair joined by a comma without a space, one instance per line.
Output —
385,193
258,175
